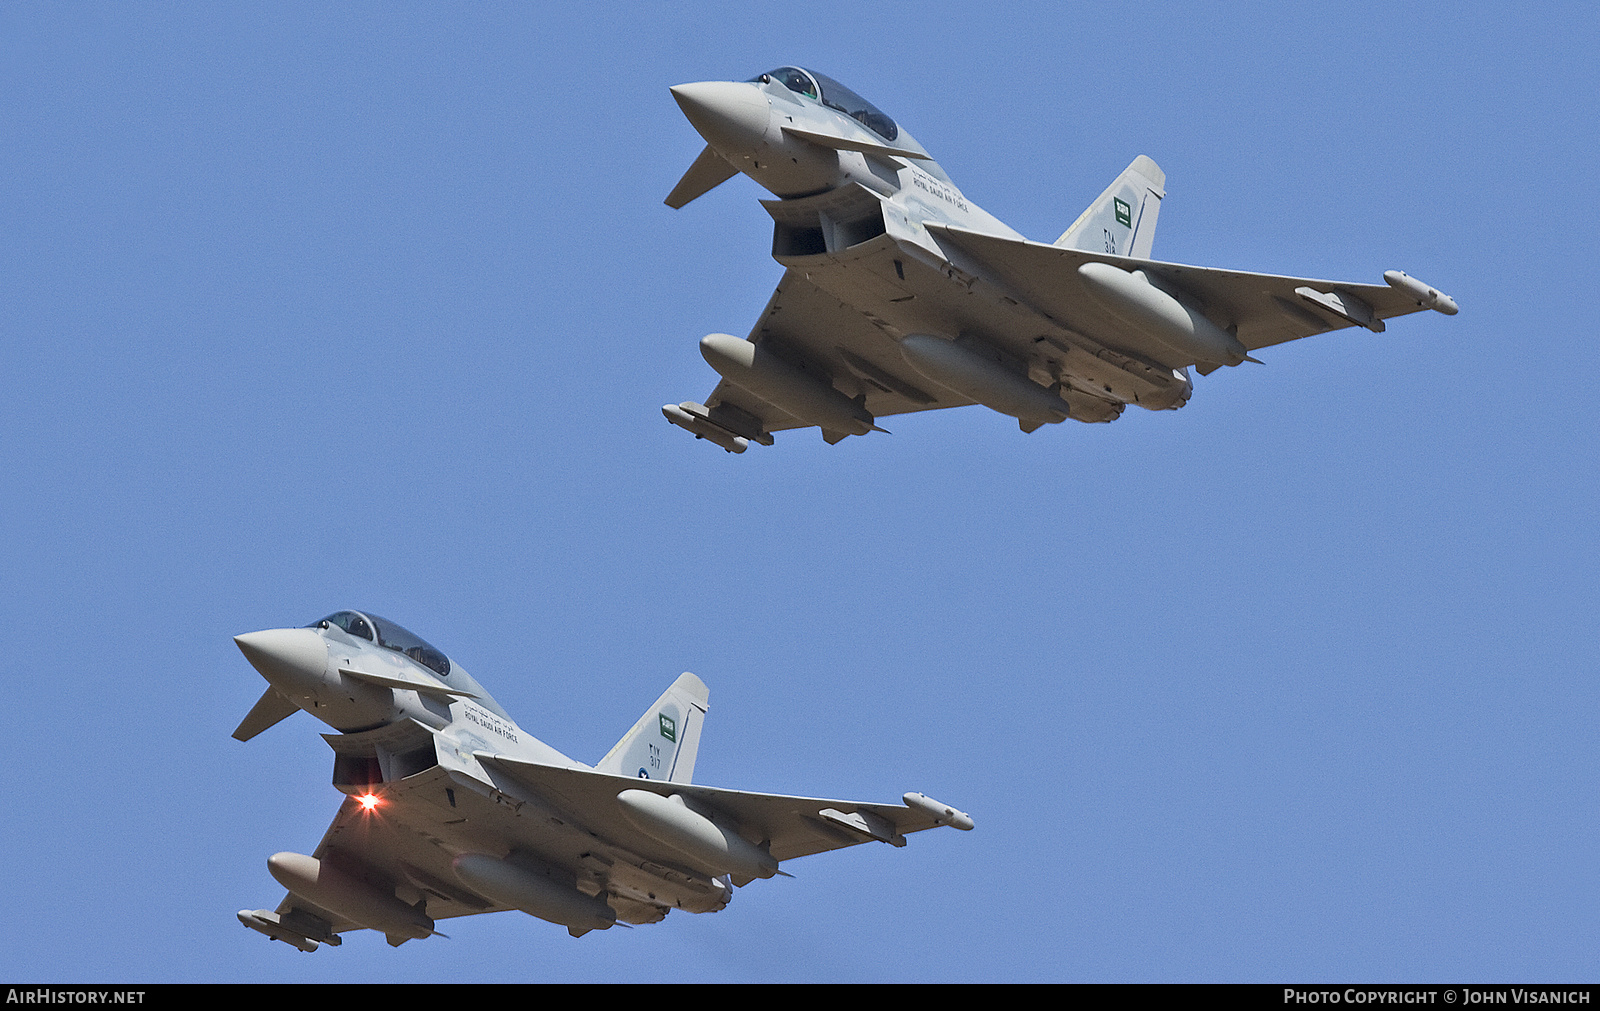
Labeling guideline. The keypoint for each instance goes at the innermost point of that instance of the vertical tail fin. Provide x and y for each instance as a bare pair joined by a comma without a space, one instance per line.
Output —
1123,220
666,740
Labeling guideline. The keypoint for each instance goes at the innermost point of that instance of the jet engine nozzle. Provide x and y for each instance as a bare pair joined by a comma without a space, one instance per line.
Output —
1425,294
942,813
293,660
731,116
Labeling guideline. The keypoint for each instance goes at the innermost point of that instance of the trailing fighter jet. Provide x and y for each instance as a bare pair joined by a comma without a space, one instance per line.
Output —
452,809
902,295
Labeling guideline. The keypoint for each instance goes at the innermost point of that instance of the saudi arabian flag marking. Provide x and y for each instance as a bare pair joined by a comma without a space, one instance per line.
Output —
669,728
1124,211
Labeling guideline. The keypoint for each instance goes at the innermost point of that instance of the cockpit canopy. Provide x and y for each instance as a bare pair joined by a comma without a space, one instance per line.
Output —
390,636
834,95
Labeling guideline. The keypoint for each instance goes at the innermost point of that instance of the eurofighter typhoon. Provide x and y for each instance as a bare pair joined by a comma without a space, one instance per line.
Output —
453,809
902,295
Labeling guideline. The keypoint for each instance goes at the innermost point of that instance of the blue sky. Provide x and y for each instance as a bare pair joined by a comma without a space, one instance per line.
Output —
375,306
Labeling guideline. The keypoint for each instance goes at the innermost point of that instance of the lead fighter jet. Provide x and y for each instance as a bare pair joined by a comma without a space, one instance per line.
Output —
902,295
452,809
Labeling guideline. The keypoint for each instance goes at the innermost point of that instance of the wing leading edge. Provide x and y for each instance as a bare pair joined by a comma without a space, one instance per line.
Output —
787,827
1266,309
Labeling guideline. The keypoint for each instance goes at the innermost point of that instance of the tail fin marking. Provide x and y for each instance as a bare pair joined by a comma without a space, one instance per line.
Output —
665,741
1122,220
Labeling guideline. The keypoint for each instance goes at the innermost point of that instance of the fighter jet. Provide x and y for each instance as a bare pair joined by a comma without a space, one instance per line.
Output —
453,809
902,295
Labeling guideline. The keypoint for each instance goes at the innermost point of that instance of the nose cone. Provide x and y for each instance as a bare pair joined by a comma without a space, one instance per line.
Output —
293,659
731,116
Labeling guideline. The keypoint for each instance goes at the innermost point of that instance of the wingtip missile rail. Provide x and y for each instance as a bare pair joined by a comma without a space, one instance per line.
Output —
1426,295
265,921
694,418
944,814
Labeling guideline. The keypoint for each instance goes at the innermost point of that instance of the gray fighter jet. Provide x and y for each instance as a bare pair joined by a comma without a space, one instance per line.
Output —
452,809
902,295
